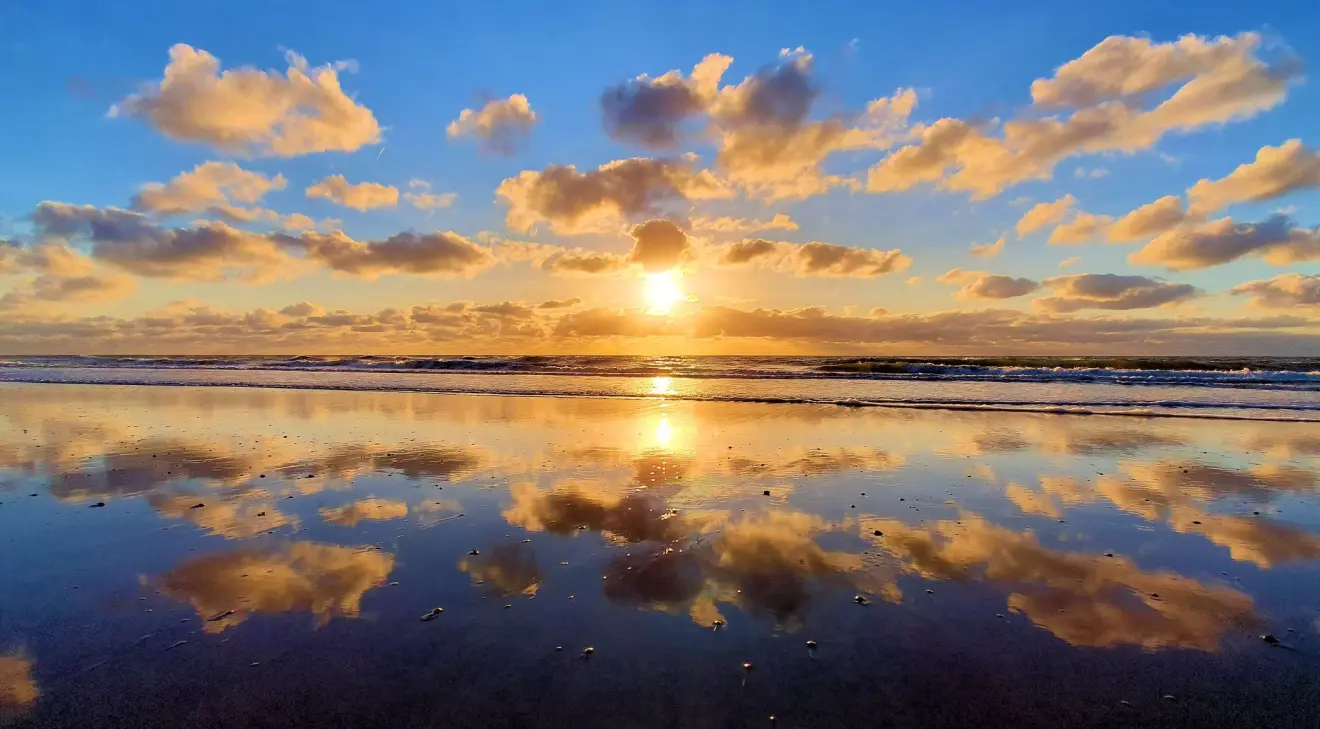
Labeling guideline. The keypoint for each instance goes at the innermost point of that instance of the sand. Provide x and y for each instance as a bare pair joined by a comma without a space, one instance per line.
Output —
265,558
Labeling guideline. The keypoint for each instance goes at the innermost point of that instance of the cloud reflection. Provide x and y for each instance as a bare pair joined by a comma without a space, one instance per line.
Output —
325,580
365,510
18,690
509,568
1084,600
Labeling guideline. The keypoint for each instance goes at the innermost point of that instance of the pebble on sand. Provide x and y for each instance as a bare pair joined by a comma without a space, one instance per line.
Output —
588,651
435,613
860,599
474,552
219,616
1270,639
878,533
765,493
747,666
97,505
811,644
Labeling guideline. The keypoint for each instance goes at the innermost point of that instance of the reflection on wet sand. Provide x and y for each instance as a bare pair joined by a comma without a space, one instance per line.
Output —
1085,600
325,580
767,563
18,690
764,518
509,568
1181,494
236,515
365,510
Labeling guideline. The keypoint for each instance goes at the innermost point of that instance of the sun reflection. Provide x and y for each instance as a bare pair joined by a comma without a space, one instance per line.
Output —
663,292
661,386
663,433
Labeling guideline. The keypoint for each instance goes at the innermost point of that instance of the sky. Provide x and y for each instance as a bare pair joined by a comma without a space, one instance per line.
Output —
647,178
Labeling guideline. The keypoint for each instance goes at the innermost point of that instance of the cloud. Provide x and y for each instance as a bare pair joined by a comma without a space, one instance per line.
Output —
659,245
701,224
1106,89
1002,330
1282,292
605,322
1094,173
53,258
576,202
303,327
983,285
499,125
767,144
1149,220
246,110
70,289
1203,245
650,112
827,259
1111,291
1065,263
208,251
362,196
1043,215
1276,172
210,187
752,250
430,201
817,259
446,254
589,263
988,250
559,303
1082,228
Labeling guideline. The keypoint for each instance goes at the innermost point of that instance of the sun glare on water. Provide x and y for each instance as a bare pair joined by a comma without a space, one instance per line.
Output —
663,292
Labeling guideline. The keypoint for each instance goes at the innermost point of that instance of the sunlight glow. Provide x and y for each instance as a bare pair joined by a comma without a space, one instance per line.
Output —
661,386
663,292
663,433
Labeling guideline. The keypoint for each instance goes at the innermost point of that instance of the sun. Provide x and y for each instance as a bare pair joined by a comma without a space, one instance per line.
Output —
663,292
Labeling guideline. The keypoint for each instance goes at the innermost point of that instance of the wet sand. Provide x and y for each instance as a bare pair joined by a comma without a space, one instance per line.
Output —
226,557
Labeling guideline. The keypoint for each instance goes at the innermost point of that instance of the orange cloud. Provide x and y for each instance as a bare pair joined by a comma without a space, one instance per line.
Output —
246,110
499,125
1217,81
362,196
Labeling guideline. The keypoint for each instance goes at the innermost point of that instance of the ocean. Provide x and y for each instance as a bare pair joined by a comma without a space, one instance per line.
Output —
1255,388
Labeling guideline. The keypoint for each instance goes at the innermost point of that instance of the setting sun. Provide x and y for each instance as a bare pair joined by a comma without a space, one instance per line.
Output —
663,292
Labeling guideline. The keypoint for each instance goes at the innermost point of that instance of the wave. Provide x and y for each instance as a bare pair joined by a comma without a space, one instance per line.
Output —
1288,413
1299,374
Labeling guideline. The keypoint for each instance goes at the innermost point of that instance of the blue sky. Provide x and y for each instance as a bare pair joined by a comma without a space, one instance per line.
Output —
63,65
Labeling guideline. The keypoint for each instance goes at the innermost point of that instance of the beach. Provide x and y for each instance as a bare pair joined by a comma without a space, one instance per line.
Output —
181,551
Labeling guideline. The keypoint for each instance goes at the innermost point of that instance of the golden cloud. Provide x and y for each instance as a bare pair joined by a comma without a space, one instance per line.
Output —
499,125
1112,292
362,196
246,110
1283,292
1105,88
576,202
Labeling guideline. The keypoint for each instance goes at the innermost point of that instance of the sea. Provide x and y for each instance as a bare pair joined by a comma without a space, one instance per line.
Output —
1245,388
